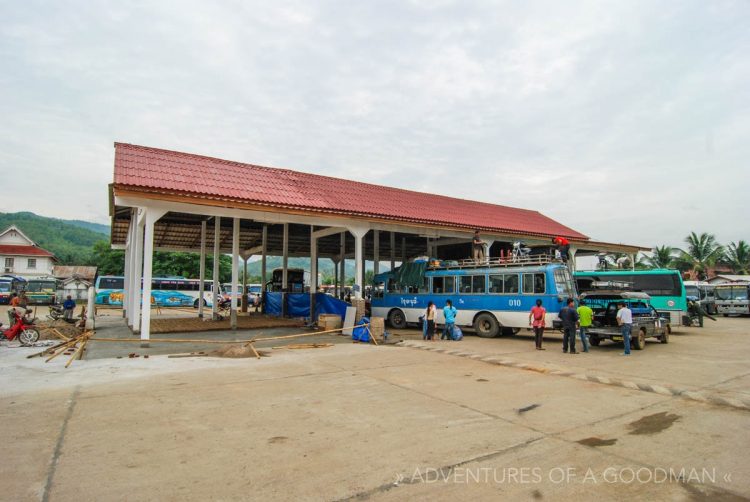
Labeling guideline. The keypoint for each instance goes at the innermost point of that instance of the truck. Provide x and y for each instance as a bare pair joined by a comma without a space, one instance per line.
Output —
647,322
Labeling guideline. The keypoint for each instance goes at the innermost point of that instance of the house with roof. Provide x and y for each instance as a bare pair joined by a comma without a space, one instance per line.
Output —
20,256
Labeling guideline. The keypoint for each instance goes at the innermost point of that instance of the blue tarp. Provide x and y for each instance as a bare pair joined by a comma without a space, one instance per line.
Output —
360,331
298,305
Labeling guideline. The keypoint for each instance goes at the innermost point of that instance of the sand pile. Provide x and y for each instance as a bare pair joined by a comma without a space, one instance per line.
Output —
236,350
67,329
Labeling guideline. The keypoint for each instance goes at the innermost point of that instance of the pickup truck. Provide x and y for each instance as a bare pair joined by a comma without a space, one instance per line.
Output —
646,320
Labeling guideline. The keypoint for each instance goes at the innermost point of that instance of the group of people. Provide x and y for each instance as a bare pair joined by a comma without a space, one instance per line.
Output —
578,320
428,328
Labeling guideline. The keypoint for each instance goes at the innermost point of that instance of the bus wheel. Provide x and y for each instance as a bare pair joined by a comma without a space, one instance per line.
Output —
486,326
665,337
196,304
639,342
397,319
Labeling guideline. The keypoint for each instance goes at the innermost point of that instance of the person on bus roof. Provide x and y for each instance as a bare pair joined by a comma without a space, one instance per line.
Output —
563,246
477,246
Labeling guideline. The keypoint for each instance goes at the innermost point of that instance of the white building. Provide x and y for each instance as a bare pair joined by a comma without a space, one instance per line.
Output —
20,256
724,278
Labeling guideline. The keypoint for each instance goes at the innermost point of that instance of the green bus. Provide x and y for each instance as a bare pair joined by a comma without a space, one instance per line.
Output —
41,291
664,285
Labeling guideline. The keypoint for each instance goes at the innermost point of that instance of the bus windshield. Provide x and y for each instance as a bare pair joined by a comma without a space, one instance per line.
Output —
4,286
731,292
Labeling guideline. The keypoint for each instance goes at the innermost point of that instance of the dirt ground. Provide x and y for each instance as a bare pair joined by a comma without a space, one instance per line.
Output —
382,423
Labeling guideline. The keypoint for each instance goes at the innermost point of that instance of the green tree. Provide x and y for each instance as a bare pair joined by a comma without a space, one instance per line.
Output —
738,257
661,257
702,252
108,261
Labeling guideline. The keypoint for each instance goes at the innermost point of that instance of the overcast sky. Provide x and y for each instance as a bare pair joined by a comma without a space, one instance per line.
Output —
628,121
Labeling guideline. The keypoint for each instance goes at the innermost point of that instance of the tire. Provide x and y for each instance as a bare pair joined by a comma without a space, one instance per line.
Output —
196,304
665,337
594,341
397,319
486,326
27,336
639,342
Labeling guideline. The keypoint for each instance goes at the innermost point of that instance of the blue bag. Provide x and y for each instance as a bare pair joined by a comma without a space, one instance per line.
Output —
457,334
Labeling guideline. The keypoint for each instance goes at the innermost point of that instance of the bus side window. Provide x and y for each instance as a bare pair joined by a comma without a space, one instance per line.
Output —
539,286
438,285
425,287
478,283
496,284
528,283
465,284
511,283
449,285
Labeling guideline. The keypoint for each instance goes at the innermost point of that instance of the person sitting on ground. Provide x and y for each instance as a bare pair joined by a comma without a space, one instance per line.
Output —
69,306
449,312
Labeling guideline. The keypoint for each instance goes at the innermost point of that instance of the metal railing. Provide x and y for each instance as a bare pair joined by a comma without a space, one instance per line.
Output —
502,262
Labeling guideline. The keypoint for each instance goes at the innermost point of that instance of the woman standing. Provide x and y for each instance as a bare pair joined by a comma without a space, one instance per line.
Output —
536,320
430,318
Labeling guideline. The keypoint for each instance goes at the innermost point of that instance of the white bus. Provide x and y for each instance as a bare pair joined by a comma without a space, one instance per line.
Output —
732,298
165,291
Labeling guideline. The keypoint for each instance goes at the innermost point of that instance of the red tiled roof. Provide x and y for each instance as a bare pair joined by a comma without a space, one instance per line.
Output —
24,250
169,172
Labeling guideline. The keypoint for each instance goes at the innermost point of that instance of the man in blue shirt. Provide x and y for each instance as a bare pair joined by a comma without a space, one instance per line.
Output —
69,306
449,311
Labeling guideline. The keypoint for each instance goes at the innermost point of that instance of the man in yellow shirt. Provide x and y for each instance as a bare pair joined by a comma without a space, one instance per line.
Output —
586,316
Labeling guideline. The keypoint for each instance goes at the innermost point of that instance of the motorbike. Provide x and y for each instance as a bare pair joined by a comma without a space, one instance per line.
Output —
520,251
57,312
23,328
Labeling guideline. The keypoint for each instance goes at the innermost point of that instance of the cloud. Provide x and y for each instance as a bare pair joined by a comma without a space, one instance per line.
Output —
625,120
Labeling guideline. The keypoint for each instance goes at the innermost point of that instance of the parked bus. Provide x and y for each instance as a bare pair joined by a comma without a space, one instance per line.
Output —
665,287
165,291
732,298
297,280
491,298
703,293
41,291
10,284
252,291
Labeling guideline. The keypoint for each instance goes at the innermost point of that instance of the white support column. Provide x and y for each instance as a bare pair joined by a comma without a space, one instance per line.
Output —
393,250
342,265
487,245
364,264
137,276
202,271
152,216
376,252
244,283
235,272
126,273
313,271
358,233
264,251
217,256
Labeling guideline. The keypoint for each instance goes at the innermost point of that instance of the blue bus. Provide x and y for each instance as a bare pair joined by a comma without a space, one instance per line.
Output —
491,298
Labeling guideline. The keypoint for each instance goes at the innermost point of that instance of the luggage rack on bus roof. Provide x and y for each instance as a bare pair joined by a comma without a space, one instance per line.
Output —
540,259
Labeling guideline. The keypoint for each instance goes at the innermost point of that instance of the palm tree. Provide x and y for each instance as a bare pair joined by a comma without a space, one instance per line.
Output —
702,252
661,257
738,257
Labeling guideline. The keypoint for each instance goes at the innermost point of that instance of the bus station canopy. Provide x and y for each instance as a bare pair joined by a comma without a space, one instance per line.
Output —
173,201
271,196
